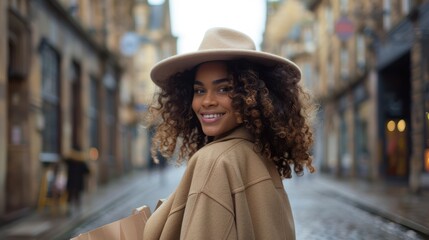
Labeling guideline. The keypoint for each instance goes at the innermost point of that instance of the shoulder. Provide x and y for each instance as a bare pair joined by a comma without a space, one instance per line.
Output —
227,147
237,141
233,162
229,152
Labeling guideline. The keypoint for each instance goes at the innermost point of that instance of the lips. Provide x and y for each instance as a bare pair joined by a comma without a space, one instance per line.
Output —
211,117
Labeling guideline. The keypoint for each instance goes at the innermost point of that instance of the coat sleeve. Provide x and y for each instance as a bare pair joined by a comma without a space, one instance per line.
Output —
208,219
209,212
155,225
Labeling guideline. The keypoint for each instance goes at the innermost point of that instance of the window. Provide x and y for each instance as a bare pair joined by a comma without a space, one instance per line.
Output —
344,148
329,20
94,106
140,15
406,5
110,111
360,52
308,39
317,33
387,9
331,76
344,63
344,6
75,104
111,120
50,103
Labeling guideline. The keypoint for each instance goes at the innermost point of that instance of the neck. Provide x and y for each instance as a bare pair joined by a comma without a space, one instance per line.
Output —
226,133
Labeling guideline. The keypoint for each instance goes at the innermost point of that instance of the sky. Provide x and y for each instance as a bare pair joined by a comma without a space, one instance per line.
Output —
191,18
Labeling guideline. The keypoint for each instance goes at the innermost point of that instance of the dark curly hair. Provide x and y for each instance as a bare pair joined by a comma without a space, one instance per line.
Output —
274,108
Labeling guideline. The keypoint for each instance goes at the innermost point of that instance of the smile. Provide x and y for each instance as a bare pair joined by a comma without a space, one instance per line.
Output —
212,116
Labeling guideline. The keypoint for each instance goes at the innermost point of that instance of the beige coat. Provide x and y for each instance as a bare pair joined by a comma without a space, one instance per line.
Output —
227,192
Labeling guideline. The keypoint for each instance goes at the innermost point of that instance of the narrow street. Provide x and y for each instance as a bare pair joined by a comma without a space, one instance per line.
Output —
157,186
319,213
79,81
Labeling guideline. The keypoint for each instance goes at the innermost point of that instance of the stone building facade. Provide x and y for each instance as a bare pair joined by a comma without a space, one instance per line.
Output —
153,27
369,74
60,72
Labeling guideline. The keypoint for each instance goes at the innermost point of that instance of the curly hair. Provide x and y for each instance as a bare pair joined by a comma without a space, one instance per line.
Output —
274,108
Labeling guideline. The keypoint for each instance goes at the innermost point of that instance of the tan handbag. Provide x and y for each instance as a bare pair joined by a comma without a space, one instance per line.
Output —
129,228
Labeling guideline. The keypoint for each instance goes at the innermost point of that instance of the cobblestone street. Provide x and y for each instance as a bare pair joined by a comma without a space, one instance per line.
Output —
319,213
156,187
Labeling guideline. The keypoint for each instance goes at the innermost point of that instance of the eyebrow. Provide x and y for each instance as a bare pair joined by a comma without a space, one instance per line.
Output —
215,82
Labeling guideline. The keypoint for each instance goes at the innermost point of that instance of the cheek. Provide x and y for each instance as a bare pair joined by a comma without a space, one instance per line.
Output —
227,102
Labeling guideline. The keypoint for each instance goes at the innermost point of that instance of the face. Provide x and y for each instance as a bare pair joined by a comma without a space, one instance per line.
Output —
211,102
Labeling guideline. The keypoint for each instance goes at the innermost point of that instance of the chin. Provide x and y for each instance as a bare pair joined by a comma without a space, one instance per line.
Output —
210,132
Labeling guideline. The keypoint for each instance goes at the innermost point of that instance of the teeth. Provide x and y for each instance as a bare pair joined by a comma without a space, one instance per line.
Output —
217,115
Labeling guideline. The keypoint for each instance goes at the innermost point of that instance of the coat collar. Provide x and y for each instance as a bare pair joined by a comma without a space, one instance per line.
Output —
241,132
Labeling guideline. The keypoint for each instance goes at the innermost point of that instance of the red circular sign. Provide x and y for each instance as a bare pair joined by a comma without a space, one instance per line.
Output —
344,28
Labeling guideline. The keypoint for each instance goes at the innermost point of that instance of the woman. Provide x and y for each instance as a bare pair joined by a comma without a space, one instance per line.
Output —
241,118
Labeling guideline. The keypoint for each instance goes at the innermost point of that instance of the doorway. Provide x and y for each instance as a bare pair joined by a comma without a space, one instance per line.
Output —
395,104
18,170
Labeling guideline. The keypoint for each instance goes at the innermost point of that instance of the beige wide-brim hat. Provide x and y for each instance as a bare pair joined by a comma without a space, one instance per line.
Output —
218,44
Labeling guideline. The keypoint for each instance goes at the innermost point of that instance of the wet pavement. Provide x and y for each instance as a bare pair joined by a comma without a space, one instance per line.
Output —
111,198
387,200
323,207
323,213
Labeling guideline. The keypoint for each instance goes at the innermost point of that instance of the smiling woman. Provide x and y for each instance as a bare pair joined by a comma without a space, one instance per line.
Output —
212,102
241,120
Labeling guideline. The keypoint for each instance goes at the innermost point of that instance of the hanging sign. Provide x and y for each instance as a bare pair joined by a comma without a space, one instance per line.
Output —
344,28
129,44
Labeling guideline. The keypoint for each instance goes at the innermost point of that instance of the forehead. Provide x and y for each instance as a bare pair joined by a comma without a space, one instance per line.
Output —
210,71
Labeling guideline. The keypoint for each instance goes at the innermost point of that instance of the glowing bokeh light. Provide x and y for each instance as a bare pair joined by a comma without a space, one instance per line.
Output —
401,125
391,126
93,153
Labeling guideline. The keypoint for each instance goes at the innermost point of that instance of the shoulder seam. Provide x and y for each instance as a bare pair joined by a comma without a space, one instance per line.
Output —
248,185
217,160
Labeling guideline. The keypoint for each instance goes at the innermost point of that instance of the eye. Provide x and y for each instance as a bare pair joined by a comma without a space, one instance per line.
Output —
225,89
198,91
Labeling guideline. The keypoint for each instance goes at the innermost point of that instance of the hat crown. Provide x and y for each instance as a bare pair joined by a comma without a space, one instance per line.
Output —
218,44
224,38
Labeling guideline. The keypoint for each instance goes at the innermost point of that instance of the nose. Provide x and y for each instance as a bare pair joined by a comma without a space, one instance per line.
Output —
209,99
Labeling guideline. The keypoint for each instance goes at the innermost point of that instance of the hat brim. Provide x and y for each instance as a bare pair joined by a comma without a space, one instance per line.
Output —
163,70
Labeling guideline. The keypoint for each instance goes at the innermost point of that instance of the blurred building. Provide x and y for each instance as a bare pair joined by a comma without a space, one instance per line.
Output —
68,80
153,29
289,33
369,72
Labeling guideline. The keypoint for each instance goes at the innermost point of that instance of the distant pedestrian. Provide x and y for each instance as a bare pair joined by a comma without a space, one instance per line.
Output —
159,162
242,119
77,170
